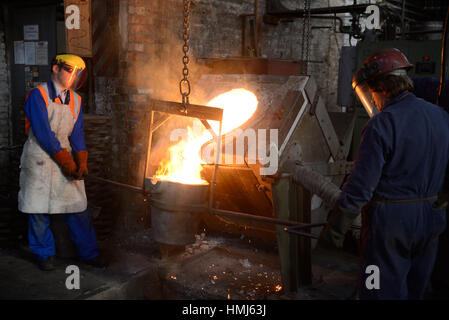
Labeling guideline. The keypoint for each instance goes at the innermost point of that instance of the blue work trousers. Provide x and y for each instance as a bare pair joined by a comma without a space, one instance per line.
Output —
401,240
82,233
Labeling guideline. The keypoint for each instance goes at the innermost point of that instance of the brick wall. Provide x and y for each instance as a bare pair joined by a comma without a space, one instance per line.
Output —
151,64
151,59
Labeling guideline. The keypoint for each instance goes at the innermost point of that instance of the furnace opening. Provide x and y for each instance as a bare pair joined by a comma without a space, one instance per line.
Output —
183,161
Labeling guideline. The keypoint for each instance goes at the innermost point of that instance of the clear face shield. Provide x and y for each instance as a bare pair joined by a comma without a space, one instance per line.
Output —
366,98
77,77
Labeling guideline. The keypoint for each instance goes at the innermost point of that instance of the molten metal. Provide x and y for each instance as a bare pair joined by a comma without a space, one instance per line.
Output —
184,164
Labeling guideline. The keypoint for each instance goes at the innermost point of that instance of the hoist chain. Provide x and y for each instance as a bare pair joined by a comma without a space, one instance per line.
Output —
184,84
308,34
305,48
303,33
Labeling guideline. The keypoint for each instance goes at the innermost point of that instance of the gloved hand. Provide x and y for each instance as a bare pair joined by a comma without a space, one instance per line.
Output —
81,161
339,223
65,161
442,201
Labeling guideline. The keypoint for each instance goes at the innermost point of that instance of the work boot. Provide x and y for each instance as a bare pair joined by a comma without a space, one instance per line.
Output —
97,262
47,264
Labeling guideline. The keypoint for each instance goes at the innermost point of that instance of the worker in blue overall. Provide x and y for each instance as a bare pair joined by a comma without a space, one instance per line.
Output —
427,88
54,162
397,177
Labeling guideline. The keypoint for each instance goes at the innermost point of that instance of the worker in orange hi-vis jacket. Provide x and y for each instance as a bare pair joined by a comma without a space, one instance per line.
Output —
51,180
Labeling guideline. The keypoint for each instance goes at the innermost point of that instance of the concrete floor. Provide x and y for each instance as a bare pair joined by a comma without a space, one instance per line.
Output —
214,267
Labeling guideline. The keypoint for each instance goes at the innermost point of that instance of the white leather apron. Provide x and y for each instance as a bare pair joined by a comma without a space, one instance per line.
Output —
43,186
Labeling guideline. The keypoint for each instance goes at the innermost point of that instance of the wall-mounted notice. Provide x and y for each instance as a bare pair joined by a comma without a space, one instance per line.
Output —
42,53
30,53
31,32
19,52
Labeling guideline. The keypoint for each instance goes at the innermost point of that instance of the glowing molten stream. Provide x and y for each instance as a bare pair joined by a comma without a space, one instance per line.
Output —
238,106
184,163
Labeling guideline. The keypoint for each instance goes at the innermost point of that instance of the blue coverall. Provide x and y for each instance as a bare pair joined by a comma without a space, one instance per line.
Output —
82,232
399,170
427,89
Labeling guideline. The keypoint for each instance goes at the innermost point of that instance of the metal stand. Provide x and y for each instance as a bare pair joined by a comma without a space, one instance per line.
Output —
194,111
293,202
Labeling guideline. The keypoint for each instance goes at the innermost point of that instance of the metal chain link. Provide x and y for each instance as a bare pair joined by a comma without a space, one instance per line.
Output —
305,44
303,32
307,4
184,84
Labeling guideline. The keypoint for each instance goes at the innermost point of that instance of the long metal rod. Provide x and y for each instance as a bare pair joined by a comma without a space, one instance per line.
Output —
160,123
310,225
443,57
303,234
403,19
276,20
295,224
217,159
359,8
256,32
118,184
150,137
209,128
236,214
193,111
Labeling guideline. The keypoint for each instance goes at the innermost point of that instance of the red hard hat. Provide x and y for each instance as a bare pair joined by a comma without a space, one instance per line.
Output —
382,62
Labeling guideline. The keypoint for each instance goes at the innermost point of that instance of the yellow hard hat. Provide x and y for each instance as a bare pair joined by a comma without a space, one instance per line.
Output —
75,66
71,60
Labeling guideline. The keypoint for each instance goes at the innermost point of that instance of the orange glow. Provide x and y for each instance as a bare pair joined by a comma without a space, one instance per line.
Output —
238,106
184,165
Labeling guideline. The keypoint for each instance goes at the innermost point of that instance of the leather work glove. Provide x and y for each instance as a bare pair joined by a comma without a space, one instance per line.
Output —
81,161
443,196
65,161
442,201
339,222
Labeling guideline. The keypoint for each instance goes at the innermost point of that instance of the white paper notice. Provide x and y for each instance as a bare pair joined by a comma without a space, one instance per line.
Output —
31,32
42,53
30,53
19,52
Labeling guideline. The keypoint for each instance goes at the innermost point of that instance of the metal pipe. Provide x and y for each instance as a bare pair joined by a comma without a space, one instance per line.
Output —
209,128
256,33
403,19
311,225
335,18
443,58
150,137
422,32
235,214
303,234
217,158
398,7
160,123
244,50
358,8
118,184
313,181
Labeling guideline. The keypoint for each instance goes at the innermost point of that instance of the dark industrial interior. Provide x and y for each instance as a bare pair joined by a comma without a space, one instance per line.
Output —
249,229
